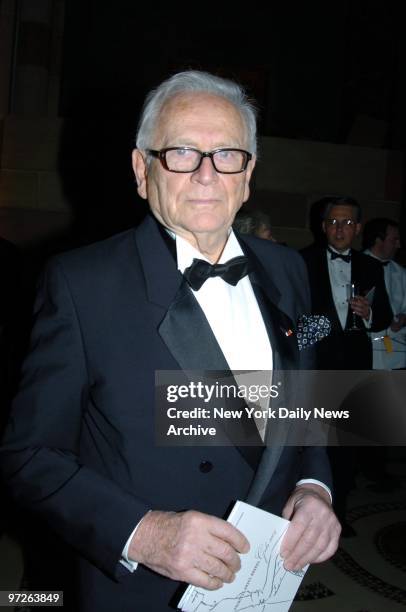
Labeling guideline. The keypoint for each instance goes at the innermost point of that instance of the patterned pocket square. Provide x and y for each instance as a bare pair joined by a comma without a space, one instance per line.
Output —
311,329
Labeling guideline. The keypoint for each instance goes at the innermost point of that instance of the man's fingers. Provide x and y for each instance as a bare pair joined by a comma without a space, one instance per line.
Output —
329,551
215,568
314,531
297,553
189,546
323,549
360,306
291,538
228,533
224,551
311,548
201,579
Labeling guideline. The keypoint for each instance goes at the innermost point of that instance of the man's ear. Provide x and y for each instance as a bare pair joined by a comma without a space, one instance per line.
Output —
248,174
140,172
358,228
323,226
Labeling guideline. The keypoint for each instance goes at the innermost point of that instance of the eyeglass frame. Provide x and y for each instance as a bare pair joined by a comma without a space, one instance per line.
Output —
161,155
341,223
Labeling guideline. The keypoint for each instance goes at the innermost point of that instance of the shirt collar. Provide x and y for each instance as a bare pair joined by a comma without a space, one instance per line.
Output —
185,252
346,252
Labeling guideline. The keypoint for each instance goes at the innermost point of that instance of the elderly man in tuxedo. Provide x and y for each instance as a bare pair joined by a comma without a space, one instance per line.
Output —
79,451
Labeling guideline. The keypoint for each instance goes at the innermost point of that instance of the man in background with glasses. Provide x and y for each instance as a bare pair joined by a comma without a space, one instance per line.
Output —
332,269
179,292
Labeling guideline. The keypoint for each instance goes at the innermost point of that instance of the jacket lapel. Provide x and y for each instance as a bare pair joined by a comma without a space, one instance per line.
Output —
188,335
278,324
285,359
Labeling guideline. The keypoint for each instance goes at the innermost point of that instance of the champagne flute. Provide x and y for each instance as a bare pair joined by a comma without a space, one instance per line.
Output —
352,292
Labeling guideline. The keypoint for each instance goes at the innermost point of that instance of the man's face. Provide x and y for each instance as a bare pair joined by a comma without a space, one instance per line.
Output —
341,235
391,243
264,232
204,201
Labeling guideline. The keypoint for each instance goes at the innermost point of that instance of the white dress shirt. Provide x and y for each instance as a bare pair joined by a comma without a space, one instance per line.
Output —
340,276
232,311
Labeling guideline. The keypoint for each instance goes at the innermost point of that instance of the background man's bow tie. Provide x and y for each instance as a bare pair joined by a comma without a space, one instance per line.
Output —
232,271
335,255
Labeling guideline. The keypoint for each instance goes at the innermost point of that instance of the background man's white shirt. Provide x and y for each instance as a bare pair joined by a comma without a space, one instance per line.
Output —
340,276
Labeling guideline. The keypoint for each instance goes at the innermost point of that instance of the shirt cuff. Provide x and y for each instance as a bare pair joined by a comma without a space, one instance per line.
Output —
125,560
317,482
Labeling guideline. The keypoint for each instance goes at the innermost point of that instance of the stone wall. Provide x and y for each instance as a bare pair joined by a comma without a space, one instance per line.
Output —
292,174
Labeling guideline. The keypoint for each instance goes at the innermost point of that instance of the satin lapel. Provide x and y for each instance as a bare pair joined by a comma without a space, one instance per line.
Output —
280,330
188,335
162,278
184,326
278,324
285,358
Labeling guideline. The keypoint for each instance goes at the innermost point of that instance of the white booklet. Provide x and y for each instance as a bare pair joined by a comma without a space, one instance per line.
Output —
262,583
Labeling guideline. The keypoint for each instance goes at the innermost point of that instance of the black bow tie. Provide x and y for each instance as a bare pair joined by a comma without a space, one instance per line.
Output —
385,263
232,271
334,255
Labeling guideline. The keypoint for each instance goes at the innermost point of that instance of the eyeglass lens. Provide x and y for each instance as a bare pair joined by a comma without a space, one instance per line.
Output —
188,160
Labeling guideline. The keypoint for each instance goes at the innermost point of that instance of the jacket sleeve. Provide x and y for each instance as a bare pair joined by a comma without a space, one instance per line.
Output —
40,453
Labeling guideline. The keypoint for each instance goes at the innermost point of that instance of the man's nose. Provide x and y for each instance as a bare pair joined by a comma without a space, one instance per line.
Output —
206,173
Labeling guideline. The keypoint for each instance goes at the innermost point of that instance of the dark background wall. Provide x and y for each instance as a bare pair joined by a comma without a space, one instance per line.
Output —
321,72
313,67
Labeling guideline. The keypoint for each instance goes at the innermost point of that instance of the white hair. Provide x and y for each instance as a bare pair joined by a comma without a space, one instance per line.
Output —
195,81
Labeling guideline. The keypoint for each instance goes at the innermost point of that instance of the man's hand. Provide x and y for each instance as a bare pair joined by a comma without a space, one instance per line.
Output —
189,546
360,306
314,531
398,322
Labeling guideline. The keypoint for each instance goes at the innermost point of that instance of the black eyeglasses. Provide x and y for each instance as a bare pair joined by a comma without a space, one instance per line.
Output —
187,159
340,223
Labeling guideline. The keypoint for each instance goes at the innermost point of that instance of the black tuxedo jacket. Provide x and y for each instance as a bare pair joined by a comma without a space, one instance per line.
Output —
80,451
343,349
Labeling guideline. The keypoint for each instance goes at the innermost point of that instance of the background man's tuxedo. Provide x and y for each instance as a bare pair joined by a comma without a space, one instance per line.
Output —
344,350
80,449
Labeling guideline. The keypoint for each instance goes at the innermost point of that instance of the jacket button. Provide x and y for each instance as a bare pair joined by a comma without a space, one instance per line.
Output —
205,467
